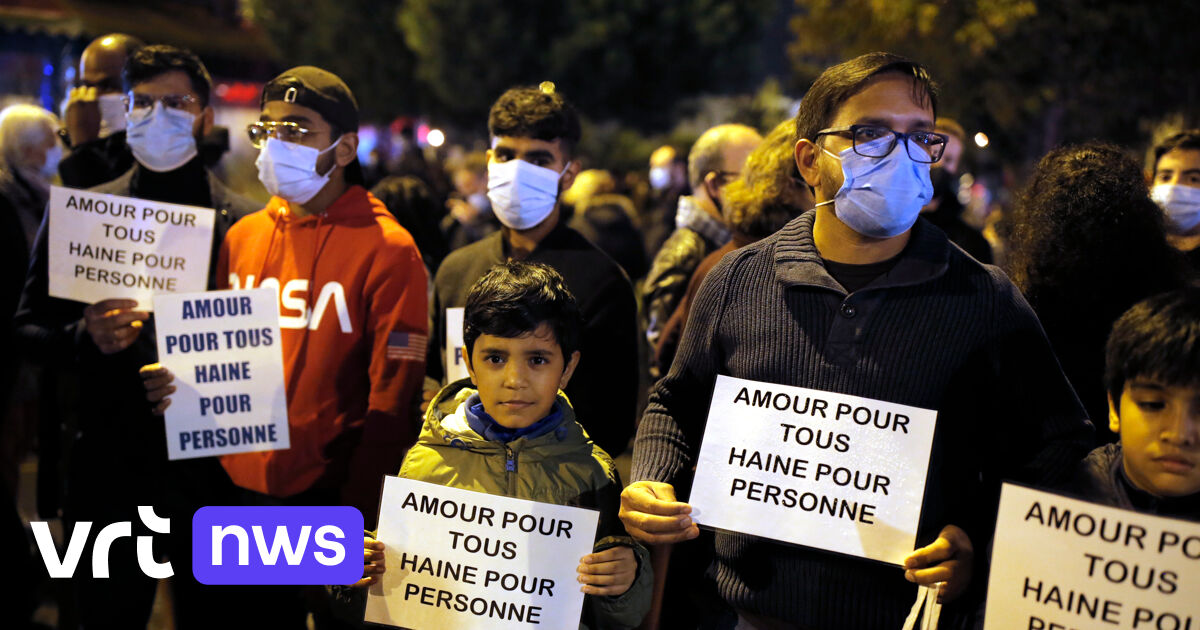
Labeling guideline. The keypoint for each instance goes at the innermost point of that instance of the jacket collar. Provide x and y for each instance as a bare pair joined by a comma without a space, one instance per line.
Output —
798,263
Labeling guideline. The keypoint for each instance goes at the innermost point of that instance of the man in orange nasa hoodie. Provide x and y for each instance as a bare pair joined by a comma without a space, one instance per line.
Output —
353,305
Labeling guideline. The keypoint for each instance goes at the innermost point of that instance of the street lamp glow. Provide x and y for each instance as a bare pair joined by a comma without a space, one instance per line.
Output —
981,140
435,137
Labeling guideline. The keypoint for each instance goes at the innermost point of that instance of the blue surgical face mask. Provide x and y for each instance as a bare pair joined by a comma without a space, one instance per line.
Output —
1181,203
161,138
522,194
880,197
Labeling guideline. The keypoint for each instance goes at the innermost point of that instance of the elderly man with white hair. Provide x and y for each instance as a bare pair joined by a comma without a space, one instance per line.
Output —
30,152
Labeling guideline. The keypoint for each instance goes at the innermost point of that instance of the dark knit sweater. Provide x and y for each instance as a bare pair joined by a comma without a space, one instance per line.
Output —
938,331
604,387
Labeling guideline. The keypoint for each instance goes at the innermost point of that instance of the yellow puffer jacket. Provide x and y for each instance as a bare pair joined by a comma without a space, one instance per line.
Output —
561,466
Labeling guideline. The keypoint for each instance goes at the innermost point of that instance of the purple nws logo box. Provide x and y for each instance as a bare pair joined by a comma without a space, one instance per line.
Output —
277,545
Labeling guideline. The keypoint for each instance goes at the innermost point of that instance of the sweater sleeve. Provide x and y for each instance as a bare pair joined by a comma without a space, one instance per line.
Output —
668,438
396,333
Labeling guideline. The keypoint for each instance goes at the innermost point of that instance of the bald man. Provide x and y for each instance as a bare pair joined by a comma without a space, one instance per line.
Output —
94,118
715,160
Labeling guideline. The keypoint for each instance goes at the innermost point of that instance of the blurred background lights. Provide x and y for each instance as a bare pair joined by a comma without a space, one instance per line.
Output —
981,140
435,138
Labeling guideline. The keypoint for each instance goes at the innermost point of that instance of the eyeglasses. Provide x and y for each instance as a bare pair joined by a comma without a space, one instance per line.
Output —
874,141
170,101
285,131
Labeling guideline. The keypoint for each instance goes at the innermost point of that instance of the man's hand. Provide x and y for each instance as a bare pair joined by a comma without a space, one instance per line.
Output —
83,115
157,380
652,515
373,566
113,324
948,560
609,572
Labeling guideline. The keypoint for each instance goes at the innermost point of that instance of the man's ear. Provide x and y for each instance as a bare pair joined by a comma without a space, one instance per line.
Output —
569,370
806,161
1114,419
206,120
710,185
568,177
347,149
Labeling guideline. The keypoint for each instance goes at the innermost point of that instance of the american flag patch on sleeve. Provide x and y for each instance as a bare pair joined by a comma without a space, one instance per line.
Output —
406,346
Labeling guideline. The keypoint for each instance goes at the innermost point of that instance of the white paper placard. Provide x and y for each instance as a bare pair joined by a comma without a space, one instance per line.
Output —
224,349
456,367
1060,563
105,246
825,470
467,560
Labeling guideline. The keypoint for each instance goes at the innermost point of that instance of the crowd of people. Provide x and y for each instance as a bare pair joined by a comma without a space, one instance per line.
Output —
517,333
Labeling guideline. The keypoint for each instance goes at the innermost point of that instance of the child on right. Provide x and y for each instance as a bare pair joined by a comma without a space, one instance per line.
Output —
1152,374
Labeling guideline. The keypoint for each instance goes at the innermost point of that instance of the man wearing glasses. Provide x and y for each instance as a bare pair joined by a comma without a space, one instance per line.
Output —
715,160
858,297
118,457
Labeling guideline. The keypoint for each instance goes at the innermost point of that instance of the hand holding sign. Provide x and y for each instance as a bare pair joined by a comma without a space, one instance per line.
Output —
947,561
113,324
609,572
374,563
157,381
652,515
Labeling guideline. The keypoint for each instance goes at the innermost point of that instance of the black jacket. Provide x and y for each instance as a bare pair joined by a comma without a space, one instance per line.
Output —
604,387
118,441
94,163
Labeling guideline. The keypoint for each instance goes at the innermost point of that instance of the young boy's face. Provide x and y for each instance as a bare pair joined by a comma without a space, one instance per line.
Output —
1159,426
519,377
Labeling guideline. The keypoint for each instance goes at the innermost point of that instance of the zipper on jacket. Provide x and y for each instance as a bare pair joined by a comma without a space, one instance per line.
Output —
510,470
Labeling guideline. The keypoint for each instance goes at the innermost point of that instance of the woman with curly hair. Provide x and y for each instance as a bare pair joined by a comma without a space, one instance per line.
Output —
1087,244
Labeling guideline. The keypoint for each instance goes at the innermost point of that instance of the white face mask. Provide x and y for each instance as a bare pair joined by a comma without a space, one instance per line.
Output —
50,166
881,197
112,113
289,170
522,194
162,138
1181,203
660,177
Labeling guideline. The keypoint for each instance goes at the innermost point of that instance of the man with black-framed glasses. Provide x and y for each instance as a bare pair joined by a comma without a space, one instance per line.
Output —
858,297
118,457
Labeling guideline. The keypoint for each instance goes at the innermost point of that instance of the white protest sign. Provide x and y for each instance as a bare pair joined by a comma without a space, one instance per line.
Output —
835,472
456,367
468,560
1060,563
223,348
104,246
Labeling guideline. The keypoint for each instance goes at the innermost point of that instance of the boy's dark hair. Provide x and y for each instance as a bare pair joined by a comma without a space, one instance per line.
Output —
149,62
1188,140
1157,338
514,298
838,83
539,113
